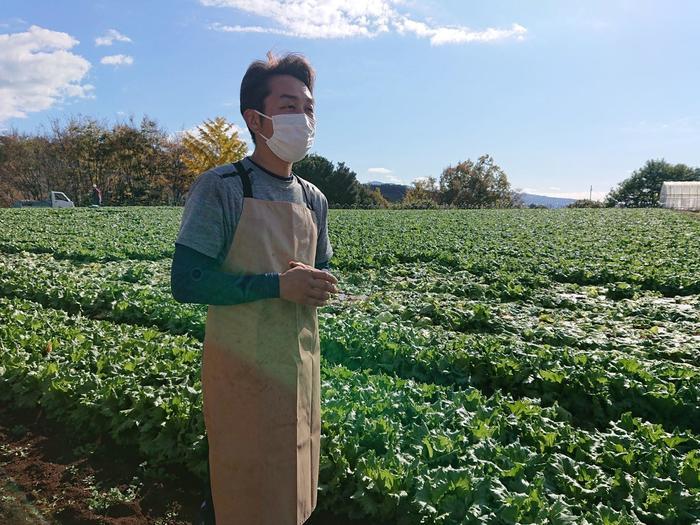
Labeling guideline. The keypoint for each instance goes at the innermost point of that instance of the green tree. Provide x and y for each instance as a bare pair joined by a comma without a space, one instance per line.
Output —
585,203
338,183
344,187
641,189
480,184
316,169
216,142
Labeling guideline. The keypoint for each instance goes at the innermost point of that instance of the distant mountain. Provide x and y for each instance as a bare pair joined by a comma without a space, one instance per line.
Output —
543,200
391,192
395,193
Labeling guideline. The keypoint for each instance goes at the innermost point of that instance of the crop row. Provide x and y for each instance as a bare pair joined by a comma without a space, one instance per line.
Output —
385,335
392,450
594,387
118,291
563,315
647,326
88,234
649,249
630,249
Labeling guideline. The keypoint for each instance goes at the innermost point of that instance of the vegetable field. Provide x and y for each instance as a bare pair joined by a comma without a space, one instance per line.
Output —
498,366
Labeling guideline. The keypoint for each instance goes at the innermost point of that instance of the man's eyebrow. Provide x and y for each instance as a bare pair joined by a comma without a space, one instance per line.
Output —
294,97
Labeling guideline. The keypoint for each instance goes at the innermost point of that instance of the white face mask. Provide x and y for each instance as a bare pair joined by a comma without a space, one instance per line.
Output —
292,135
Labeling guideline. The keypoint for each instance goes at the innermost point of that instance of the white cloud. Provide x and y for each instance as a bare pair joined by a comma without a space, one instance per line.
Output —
457,35
110,37
357,18
243,134
13,23
37,70
384,175
596,195
117,60
179,133
248,29
682,126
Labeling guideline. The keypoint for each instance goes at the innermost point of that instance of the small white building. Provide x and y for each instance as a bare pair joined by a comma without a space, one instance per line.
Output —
680,195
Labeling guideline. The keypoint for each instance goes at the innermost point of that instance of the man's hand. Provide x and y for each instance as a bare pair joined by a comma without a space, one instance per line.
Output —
304,284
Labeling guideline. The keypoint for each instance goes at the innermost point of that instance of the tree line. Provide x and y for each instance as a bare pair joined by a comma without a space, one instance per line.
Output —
132,163
139,163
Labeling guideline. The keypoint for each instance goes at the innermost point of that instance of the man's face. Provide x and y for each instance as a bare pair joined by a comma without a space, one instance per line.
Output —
287,95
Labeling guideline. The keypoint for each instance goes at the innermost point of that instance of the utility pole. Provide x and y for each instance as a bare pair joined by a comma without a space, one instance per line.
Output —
590,193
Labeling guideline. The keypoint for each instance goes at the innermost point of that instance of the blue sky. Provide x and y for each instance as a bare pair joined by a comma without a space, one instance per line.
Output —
564,95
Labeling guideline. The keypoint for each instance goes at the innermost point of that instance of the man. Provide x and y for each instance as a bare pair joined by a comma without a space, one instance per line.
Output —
96,196
253,244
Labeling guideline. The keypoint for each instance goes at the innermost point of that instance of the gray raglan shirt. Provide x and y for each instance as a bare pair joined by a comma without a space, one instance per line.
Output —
215,202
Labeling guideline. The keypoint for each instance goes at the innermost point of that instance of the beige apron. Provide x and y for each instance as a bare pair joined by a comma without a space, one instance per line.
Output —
260,376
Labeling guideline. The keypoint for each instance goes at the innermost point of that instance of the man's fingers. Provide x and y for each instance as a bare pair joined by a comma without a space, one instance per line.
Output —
324,285
321,295
312,301
326,276
317,274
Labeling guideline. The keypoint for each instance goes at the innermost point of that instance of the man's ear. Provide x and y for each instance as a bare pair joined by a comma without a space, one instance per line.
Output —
252,120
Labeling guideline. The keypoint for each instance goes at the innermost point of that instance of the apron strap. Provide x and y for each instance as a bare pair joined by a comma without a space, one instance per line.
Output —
307,201
245,179
248,188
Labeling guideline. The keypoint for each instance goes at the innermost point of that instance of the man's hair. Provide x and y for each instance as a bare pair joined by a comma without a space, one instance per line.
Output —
255,85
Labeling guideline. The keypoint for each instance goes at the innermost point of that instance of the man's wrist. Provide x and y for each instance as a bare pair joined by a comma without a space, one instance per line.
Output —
272,285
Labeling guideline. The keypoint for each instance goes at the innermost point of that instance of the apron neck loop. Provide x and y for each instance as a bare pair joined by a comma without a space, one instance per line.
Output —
307,201
245,179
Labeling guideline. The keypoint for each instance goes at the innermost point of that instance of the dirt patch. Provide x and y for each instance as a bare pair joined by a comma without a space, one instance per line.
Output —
69,484
693,214
50,478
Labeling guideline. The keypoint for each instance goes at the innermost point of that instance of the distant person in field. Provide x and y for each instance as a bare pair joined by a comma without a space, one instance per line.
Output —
253,245
96,195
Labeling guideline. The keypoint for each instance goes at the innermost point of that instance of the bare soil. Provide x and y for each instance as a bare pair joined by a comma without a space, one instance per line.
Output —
46,478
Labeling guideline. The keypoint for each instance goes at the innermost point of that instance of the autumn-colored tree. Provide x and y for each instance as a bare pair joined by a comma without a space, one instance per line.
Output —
214,143
80,149
132,163
480,184
178,178
422,194
137,163
22,167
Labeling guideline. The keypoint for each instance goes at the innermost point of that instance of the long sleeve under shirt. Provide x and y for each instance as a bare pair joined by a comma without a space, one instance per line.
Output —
212,211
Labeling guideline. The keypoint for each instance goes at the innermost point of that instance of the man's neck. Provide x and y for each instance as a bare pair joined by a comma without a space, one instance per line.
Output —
271,162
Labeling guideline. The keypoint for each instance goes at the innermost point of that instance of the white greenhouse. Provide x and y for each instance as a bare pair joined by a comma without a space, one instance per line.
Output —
680,195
